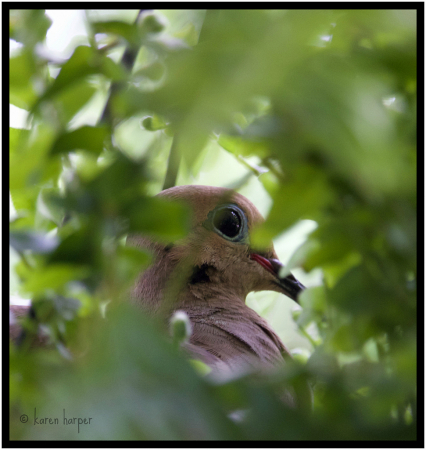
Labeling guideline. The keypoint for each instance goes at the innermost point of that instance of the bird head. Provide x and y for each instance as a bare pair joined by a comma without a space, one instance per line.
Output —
217,252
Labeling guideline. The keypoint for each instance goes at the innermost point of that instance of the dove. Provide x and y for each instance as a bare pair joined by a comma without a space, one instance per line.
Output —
208,275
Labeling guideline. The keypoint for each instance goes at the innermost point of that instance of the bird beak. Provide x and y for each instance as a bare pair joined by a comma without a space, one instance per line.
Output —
289,284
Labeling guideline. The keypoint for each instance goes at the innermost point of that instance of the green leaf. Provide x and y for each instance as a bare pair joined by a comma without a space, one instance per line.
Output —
153,123
84,62
48,208
83,138
159,218
46,308
28,26
298,258
18,137
244,147
151,23
53,277
81,247
71,100
112,190
130,262
302,196
154,71
125,30
22,73
345,340
37,242
29,164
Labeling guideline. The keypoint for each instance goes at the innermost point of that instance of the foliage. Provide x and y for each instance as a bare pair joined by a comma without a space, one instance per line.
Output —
320,107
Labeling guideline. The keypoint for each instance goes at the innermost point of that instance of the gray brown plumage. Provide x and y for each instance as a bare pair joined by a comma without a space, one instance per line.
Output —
17,314
208,276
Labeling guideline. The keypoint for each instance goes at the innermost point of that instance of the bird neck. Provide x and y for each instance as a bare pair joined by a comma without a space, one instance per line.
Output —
170,284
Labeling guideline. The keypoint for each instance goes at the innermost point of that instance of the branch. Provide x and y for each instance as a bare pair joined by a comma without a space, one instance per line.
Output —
172,165
127,60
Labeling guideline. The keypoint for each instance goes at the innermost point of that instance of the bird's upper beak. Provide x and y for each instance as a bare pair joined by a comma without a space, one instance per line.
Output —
289,285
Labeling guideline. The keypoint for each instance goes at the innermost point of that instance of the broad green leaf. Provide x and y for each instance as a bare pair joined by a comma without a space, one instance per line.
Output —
302,196
36,242
159,218
29,164
151,23
153,123
153,71
83,138
48,209
71,100
244,147
23,74
81,247
28,26
127,31
83,62
129,264
17,138
53,277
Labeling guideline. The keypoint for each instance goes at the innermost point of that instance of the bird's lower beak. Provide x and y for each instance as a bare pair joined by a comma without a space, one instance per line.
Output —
289,285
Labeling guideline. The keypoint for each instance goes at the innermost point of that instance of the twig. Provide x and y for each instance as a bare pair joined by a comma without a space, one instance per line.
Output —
172,165
252,167
127,60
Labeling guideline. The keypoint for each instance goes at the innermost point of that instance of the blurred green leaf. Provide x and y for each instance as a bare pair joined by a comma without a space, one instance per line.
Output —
28,26
126,350
153,71
159,218
242,147
83,62
153,123
17,137
72,99
84,138
302,196
53,277
151,23
36,242
22,73
127,31
29,164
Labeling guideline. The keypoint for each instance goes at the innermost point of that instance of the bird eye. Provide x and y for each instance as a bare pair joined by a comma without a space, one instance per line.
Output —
228,222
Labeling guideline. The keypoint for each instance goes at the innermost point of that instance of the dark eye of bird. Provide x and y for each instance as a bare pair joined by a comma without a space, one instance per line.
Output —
228,222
